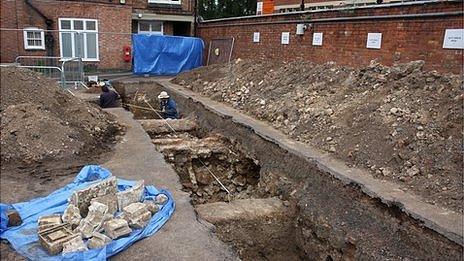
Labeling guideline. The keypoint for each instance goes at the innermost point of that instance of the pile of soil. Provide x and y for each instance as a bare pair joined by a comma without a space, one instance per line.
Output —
42,122
47,136
401,123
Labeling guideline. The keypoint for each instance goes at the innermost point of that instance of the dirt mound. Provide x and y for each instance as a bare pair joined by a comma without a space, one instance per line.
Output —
40,121
401,123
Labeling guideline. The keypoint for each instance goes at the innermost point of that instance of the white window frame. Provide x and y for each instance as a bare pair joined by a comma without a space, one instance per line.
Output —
150,32
170,2
34,47
73,33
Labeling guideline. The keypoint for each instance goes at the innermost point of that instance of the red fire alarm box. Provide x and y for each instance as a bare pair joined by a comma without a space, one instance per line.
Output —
127,53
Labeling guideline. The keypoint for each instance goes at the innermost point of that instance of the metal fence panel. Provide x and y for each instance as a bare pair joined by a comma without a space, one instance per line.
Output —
68,72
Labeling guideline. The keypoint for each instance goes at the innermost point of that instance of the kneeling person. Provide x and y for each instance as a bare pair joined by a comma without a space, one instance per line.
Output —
168,106
108,98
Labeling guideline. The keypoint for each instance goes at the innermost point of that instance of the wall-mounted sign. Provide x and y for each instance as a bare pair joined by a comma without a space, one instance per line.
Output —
317,39
454,39
256,37
285,38
259,8
374,40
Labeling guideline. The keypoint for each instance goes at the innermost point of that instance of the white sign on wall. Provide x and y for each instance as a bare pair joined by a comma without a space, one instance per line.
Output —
454,39
317,39
256,37
285,38
374,40
259,8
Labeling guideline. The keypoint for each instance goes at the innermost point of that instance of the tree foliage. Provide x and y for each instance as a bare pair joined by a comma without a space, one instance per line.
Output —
213,9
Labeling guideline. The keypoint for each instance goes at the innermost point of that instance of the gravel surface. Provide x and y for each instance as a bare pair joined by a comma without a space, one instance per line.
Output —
401,123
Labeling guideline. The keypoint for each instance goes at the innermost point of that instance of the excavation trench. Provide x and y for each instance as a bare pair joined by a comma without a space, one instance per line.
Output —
275,205
224,183
225,188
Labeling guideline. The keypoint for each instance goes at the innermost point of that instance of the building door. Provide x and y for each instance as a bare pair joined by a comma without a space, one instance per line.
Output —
182,28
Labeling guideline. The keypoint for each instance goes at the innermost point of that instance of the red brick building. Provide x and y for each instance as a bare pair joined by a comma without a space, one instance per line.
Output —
98,30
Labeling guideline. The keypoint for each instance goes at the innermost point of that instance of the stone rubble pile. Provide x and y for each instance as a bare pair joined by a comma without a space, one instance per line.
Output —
401,123
97,215
193,158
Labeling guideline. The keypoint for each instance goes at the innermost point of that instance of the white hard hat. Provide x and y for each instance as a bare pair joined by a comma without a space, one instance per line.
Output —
101,84
163,95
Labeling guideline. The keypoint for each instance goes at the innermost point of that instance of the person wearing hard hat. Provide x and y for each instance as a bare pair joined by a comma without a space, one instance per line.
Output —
168,106
108,97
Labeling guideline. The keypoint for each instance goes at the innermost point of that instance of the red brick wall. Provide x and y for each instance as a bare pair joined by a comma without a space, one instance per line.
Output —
113,18
403,40
168,28
9,39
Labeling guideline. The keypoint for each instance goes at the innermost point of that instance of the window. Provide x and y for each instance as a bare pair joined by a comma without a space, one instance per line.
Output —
169,2
150,27
79,38
34,39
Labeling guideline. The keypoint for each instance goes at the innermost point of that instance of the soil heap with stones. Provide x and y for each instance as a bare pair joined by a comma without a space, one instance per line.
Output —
41,122
401,123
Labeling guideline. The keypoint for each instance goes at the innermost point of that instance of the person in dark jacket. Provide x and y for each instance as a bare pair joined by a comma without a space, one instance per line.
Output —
168,106
108,98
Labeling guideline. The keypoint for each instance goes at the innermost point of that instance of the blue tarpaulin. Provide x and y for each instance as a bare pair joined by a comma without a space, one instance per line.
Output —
166,55
24,238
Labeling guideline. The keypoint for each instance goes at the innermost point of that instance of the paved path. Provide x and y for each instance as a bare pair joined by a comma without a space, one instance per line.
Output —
182,237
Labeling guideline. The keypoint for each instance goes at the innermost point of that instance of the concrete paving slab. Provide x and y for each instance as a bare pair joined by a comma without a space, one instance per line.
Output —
183,237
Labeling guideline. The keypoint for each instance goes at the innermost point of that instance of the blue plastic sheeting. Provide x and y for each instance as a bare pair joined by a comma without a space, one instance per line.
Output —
166,55
24,238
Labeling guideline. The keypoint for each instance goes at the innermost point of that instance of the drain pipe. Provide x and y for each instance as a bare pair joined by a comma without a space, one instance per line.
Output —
195,18
49,39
